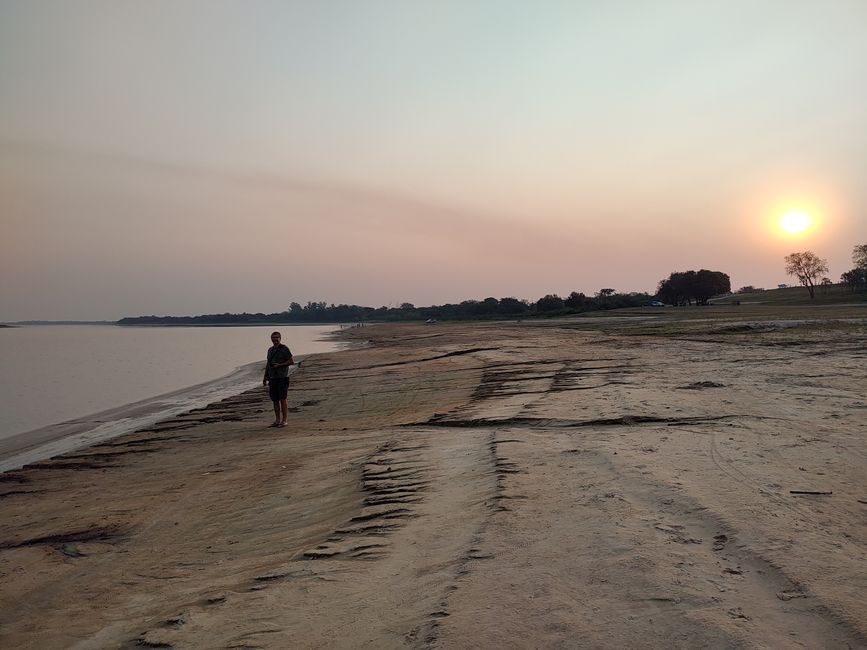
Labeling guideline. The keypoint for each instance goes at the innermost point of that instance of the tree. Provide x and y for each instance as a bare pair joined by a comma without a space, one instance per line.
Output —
604,293
807,267
859,256
551,302
856,279
675,288
708,284
576,300
512,306
490,305
470,308
682,288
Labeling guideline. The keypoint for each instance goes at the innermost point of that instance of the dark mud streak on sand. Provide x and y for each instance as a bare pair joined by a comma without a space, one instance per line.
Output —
456,353
555,423
94,534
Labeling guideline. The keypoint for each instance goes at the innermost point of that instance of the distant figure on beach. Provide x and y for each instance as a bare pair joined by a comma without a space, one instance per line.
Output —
277,378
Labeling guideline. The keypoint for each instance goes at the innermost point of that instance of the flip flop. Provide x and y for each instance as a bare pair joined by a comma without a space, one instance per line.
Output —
282,425
274,425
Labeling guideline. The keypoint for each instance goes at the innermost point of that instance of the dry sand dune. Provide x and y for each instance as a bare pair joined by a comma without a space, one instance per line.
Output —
470,486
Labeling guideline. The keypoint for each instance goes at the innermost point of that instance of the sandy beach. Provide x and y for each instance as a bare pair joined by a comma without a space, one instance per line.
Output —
480,485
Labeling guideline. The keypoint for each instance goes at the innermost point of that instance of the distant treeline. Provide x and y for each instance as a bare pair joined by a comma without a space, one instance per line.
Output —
320,312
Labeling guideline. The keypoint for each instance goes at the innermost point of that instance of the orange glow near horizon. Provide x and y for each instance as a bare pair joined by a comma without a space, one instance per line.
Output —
788,216
797,217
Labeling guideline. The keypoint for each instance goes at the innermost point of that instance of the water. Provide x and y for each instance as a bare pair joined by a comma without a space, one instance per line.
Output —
66,386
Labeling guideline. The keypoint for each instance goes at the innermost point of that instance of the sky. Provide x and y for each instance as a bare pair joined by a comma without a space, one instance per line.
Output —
185,157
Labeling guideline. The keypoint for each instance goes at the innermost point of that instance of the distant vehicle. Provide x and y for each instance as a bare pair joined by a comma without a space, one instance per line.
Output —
431,320
656,303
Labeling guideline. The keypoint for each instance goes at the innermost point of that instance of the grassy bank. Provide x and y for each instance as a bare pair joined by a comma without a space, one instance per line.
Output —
747,322
835,294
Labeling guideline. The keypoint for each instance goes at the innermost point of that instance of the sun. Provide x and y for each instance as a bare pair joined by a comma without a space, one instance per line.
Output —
795,221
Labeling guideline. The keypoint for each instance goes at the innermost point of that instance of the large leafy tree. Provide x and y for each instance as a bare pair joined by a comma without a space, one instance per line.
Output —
675,289
682,288
708,284
807,267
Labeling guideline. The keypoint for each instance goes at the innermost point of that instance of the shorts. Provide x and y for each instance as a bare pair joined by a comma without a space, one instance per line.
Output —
278,388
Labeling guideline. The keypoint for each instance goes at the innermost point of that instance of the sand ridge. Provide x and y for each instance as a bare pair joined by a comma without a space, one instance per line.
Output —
468,485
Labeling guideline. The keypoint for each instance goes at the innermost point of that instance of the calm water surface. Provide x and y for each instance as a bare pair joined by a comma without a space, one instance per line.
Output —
56,373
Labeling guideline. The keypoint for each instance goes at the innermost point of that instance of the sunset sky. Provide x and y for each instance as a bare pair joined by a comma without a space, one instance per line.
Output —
186,157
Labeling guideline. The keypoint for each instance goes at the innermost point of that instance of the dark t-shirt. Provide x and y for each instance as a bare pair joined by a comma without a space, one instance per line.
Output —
278,354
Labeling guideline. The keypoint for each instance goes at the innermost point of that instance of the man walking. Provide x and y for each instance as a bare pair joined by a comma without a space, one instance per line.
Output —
277,376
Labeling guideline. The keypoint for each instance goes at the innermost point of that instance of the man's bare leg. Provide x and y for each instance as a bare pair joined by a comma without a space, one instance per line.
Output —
277,419
284,409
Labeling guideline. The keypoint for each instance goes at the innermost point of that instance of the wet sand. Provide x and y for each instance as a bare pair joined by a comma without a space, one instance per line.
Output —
470,486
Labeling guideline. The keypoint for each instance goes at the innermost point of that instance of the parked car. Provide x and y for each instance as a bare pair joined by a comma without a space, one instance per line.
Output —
656,303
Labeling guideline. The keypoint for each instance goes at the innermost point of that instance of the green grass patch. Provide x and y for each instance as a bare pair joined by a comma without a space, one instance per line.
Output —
835,294
727,322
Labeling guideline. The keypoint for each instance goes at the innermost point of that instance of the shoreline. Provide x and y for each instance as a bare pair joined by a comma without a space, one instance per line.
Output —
44,443
484,485
106,386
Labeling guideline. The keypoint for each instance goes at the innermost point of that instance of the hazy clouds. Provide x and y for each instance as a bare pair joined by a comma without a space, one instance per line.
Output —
189,157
